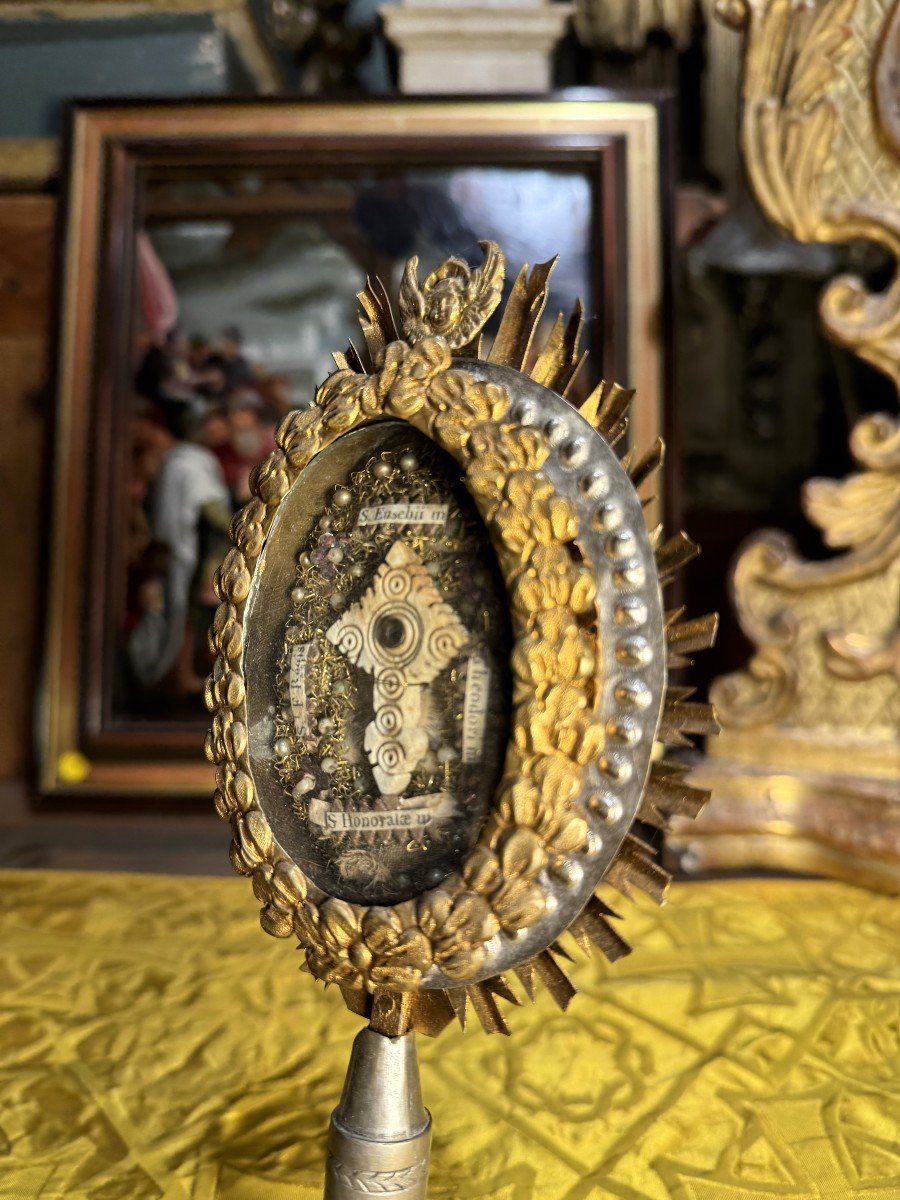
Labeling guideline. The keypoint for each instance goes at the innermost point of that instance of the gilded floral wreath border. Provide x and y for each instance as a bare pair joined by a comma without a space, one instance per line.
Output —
536,819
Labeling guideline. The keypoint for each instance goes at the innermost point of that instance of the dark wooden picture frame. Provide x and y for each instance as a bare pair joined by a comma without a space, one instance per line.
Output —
116,153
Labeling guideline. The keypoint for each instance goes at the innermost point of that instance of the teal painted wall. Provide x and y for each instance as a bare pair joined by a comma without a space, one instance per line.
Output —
45,63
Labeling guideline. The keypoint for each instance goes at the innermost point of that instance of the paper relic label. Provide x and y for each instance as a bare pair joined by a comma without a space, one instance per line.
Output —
403,513
475,708
301,657
440,806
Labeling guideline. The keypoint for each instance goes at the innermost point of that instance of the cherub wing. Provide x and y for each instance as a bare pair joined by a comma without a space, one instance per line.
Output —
485,291
412,302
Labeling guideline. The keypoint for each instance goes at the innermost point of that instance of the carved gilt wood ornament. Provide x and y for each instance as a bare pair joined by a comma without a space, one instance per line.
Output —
808,763
816,134
442,655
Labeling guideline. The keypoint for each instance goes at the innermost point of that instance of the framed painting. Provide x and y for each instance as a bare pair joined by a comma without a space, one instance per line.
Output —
212,256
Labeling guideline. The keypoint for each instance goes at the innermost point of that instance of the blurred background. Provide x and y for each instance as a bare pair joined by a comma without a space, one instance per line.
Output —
242,298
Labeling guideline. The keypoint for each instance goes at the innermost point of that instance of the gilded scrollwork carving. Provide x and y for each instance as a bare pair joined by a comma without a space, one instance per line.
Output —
826,632
884,80
814,152
807,763
861,511
626,27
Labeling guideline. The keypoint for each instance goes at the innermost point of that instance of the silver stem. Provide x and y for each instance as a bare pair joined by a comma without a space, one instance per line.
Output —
379,1139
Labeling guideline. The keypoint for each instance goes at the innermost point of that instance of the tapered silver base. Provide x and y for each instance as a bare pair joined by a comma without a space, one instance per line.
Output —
380,1135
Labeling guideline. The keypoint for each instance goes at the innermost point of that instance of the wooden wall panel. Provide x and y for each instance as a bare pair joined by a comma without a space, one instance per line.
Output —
26,301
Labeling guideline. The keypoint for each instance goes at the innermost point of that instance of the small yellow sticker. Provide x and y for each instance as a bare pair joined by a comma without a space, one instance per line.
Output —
72,767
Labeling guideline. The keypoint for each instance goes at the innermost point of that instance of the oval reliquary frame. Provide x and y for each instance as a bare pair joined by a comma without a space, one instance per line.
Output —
590,641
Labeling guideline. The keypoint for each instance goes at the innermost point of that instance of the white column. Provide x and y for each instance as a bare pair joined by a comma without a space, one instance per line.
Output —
451,48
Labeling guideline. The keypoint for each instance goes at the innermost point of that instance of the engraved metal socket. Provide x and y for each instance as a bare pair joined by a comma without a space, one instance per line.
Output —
379,1140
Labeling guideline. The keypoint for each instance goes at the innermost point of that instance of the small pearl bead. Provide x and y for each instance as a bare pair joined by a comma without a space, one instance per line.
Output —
343,497
555,430
408,462
607,516
574,453
630,574
608,808
633,692
568,872
621,544
594,486
618,769
636,651
595,842
631,611
624,729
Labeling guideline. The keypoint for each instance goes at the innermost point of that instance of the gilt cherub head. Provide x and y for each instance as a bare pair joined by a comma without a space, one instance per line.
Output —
455,300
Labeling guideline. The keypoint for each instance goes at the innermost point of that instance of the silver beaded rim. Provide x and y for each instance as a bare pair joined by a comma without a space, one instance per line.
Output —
614,542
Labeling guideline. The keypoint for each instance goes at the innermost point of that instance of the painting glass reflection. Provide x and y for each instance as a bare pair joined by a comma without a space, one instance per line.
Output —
244,286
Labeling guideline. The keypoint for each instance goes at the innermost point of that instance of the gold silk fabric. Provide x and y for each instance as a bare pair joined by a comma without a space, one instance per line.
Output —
156,1045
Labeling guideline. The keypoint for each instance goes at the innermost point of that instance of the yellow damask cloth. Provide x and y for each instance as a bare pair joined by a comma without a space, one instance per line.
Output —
156,1045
